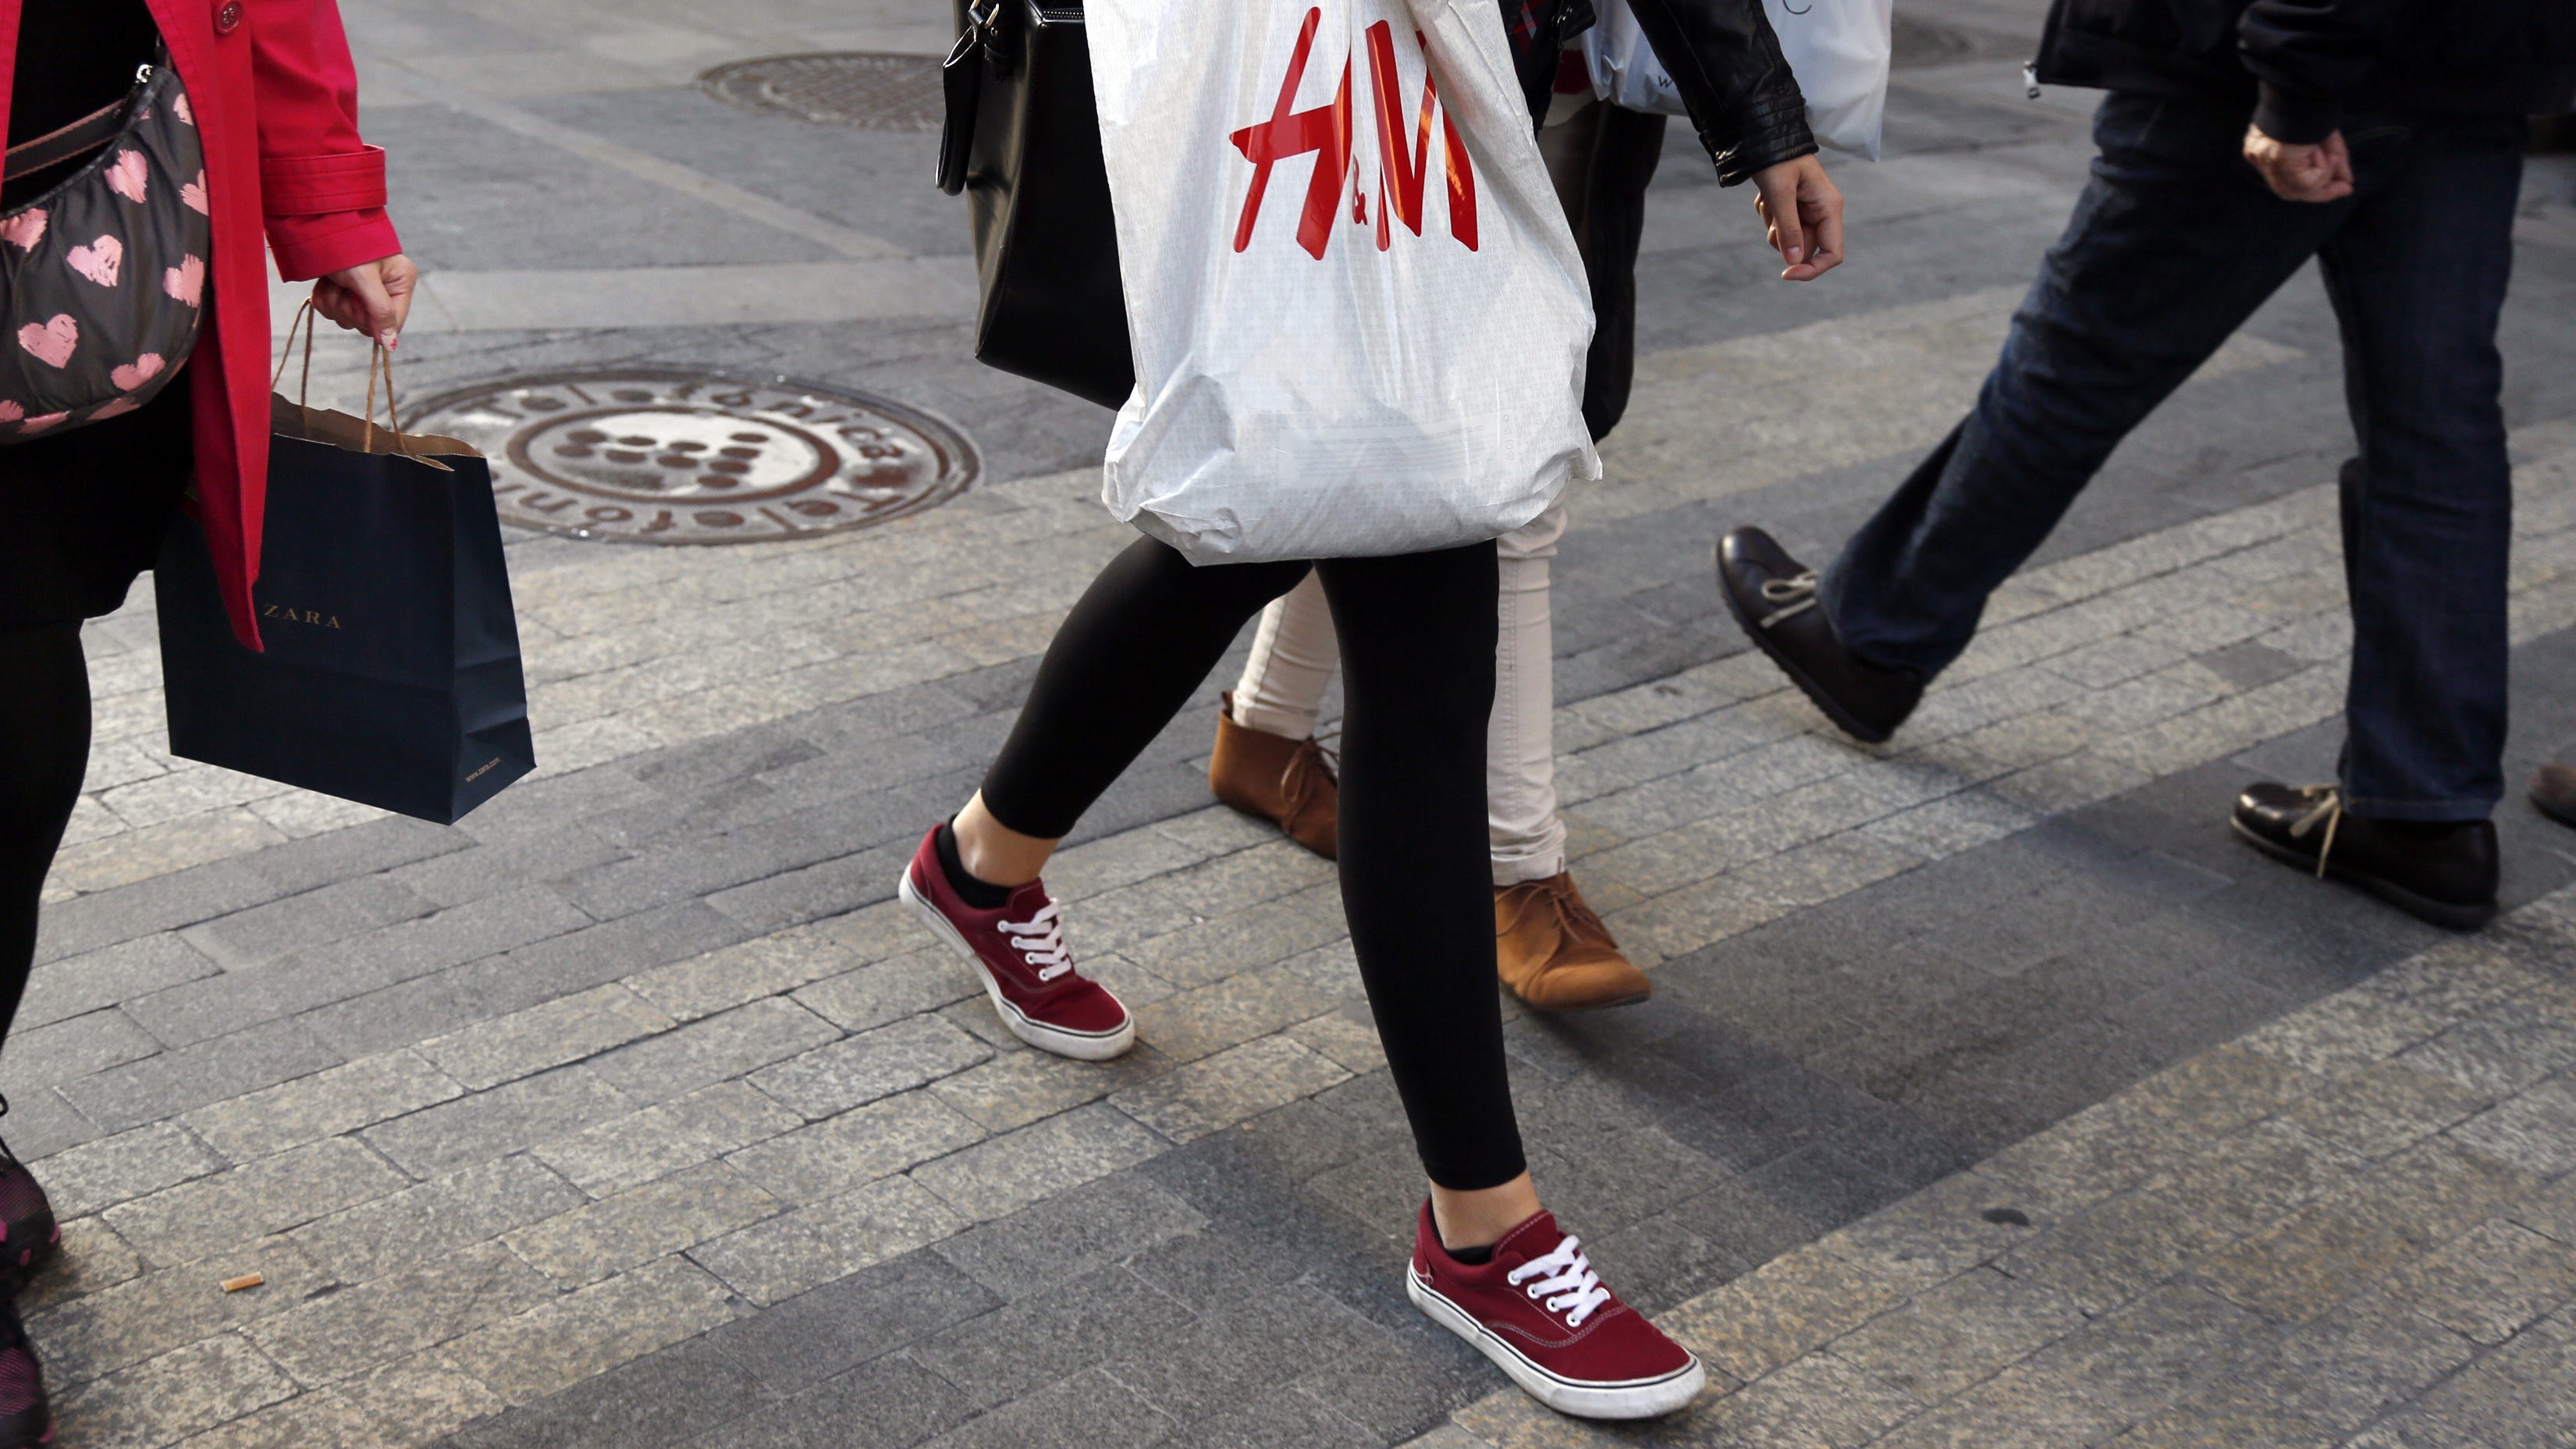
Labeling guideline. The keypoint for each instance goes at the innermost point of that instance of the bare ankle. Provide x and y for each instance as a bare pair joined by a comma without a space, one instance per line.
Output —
1479,1218
995,853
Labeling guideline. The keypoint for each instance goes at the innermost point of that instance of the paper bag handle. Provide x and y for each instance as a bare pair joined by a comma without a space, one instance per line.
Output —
379,360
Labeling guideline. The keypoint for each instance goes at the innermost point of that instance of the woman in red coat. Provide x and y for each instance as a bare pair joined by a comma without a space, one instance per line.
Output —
82,512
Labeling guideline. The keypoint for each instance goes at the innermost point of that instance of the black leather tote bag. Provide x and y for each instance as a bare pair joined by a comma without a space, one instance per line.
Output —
1023,143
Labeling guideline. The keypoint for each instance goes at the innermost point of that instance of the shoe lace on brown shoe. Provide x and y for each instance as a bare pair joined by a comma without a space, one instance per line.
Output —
1308,779
1788,597
1575,919
2325,804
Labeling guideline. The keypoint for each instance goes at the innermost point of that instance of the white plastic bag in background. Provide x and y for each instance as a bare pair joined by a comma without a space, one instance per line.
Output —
1358,317
1838,49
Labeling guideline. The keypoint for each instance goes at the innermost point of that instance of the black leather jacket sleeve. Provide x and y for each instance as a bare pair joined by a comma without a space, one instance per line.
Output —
1726,62
2310,54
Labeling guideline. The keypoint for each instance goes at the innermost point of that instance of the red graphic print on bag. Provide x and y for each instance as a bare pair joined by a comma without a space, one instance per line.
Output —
1325,132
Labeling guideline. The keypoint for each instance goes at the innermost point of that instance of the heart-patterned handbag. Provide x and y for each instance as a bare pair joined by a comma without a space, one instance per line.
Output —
103,277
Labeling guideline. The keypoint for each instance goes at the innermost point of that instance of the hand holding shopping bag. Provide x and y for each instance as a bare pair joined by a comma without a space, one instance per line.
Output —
1358,317
391,674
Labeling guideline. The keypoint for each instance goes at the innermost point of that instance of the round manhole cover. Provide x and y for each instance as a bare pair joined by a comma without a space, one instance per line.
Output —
836,88
648,455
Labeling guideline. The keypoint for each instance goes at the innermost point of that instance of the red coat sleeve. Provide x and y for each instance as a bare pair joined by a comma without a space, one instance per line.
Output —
322,189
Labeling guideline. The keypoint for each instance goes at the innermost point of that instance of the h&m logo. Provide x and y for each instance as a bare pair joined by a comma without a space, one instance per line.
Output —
1326,131
290,615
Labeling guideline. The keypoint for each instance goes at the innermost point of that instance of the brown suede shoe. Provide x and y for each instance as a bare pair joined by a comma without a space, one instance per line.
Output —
2553,792
1287,782
1555,954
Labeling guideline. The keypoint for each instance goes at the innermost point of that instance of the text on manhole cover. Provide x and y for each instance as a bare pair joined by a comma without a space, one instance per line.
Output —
653,456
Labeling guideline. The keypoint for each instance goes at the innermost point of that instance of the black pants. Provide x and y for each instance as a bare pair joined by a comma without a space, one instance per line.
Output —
86,510
44,750
1418,669
1602,161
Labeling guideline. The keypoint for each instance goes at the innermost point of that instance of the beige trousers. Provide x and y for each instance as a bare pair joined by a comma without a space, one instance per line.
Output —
1295,653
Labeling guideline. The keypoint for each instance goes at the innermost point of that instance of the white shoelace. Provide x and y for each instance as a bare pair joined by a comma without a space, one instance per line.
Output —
2326,806
1040,938
1794,596
1576,1287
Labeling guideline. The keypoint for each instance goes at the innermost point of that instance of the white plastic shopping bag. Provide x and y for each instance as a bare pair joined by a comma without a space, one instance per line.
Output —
1838,49
1359,319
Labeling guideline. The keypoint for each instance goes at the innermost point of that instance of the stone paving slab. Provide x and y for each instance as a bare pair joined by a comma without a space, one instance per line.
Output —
2187,1263
720,1140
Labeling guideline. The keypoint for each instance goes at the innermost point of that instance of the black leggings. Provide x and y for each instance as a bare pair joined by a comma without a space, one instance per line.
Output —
44,751
1418,672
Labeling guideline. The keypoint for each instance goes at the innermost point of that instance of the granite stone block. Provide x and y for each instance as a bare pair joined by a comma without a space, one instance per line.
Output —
997,1177
833,1156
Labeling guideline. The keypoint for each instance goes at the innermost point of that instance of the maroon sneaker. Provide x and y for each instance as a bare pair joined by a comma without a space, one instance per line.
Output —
1018,953
26,1420
1539,1312
29,1236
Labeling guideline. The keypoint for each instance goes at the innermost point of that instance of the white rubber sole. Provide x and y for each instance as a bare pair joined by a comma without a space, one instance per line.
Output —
1646,1399
1079,1045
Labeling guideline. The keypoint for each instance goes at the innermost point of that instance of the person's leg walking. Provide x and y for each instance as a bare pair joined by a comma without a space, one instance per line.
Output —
1613,224
1418,660
1550,947
2172,245
1136,645
2418,279
1293,660
1488,1264
1141,638
44,752
1266,762
1526,836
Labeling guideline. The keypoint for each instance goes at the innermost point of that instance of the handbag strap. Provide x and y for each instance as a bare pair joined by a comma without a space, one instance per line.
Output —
70,142
67,143
961,84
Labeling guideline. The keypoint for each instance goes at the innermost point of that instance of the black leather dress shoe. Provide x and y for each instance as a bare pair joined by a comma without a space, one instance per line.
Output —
2553,792
1774,597
2444,873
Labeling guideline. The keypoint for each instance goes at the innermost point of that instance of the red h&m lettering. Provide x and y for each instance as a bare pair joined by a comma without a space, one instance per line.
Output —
1326,132
1403,172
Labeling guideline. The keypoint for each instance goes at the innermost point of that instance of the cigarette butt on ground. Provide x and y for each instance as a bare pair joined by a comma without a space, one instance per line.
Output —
247,1280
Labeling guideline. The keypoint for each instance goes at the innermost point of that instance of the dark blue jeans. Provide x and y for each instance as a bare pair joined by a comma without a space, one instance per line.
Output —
2173,244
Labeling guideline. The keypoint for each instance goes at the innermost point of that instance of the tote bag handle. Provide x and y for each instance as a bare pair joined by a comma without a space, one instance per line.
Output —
378,360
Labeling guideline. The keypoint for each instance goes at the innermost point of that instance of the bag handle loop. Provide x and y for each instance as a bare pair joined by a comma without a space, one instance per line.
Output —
382,359
378,360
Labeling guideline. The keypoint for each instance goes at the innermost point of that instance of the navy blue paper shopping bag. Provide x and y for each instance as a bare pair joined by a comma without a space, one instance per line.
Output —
392,673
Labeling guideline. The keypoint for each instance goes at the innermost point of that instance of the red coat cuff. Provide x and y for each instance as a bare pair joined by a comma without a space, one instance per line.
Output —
306,185
310,246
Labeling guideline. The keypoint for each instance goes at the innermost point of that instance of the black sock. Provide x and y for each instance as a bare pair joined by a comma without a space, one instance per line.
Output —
982,895
1470,1256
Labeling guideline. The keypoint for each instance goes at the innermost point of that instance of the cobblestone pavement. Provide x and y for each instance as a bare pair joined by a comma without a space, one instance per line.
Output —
629,1111
2355,1225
